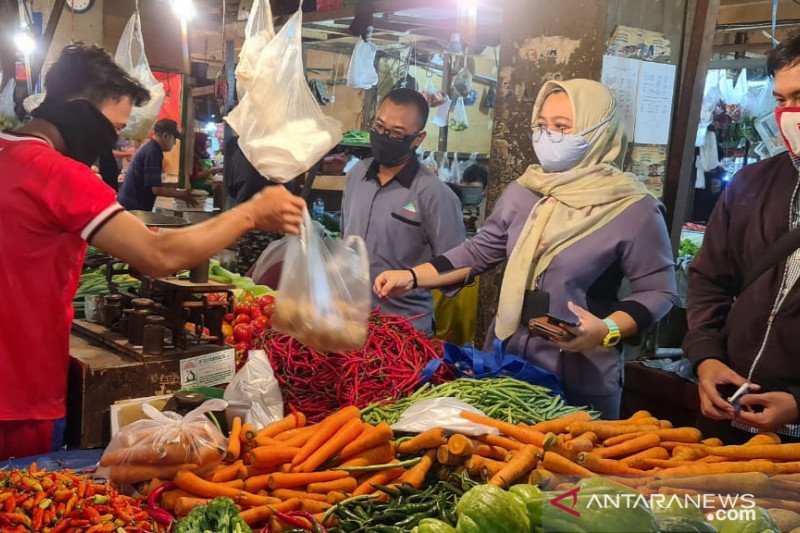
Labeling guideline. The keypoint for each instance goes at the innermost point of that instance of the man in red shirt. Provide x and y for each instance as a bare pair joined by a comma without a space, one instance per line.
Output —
51,206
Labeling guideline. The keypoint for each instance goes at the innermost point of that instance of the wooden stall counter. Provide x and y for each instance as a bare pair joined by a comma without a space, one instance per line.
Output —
666,395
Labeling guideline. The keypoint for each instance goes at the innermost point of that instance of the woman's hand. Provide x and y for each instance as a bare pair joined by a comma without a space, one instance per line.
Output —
393,283
589,334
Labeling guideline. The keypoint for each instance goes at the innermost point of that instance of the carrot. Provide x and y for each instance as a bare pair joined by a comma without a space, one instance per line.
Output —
234,444
668,463
432,438
553,444
604,465
793,486
229,472
234,483
266,441
336,496
133,473
269,456
685,434
559,425
476,462
489,470
561,465
415,476
519,466
787,477
640,414
256,483
641,421
347,484
630,447
774,503
371,437
293,421
501,442
697,469
671,445
288,434
256,515
637,460
444,457
524,435
755,483
544,478
712,459
288,494
619,439
292,504
789,468
764,438
280,480
374,456
326,429
605,431
313,506
583,443
169,499
253,471
462,446
775,452
379,478
193,484
712,442
184,505
338,440
686,453
665,424
301,437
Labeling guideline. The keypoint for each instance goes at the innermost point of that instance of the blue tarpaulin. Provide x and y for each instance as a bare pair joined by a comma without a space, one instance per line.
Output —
71,459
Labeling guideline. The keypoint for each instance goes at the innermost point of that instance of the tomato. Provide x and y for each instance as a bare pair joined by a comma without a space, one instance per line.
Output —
244,318
260,324
230,340
229,318
255,313
242,309
248,297
241,347
267,304
243,333
227,329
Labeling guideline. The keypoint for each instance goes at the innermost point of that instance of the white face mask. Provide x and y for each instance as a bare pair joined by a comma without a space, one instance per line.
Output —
562,156
788,119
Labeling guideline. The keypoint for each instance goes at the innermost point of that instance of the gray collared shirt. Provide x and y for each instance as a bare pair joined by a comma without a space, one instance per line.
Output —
405,223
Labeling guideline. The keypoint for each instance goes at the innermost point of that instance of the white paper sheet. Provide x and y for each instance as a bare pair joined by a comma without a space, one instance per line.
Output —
621,74
654,103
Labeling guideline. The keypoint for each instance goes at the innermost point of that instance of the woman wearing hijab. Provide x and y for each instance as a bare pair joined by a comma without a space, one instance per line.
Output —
572,228
200,174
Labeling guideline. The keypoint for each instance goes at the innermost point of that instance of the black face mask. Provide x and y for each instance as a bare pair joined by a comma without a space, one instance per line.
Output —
85,130
388,152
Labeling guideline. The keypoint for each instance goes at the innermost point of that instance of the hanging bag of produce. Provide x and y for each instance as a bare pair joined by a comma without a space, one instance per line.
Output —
141,118
435,97
324,294
257,34
160,446
282,130
362,74
462,82
458,118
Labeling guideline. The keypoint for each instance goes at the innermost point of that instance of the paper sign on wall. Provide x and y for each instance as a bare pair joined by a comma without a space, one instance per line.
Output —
208,370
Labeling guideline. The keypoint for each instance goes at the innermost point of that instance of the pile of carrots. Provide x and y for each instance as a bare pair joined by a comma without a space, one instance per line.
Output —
291,466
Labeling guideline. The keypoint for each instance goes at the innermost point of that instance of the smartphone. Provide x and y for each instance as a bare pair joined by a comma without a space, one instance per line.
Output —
562,321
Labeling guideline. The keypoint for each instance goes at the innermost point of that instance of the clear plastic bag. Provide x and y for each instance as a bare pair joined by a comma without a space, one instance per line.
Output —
7,100
458,118
324,295
462,82
362,74
163,444
456,169
444,169
268,266
282,130
429,161
435,97
441,413
258,33
255,386
141,118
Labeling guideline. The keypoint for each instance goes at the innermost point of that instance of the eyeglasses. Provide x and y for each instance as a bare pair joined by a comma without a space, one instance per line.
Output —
555,136
395,135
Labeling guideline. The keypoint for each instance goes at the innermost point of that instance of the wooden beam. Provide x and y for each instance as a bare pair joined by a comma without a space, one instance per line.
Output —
753,26
47,39
679,180
202,91
746,47
745,62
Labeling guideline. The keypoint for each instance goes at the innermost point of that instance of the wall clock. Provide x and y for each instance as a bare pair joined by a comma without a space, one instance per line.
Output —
79,6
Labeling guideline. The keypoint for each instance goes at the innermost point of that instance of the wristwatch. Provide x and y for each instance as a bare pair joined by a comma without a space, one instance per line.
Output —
613,336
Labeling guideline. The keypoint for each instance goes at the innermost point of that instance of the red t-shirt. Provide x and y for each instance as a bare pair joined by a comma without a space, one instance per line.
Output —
50,206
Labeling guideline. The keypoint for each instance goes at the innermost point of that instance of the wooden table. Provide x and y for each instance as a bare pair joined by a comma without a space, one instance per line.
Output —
666,395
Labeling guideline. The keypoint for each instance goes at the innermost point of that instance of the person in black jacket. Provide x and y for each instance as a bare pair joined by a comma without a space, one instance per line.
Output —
750,335
242,179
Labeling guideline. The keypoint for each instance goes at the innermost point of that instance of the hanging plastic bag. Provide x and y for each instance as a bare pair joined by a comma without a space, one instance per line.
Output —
282,131
141,118
462,82
458,118
267,269
456,169
361,73
255,393
444,169
324,295
258,33
435,97
429,161
163,444
442,112
441,413
7,112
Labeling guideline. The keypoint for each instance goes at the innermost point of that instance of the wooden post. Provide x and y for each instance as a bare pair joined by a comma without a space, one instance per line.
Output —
679,180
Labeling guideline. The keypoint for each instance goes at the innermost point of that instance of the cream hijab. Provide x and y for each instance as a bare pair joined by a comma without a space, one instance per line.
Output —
574,203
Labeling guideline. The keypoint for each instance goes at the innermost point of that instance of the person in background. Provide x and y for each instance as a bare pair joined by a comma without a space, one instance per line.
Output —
110,163
51,207
404,213
242,179
475,176
143,179
200,173
749,334
572,228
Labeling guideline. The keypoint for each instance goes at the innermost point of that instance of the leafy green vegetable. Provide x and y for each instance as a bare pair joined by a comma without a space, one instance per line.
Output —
219,516
688,248
762,523
432,525
487,508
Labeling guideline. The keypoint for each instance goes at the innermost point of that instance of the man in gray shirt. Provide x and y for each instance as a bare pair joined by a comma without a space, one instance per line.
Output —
404,213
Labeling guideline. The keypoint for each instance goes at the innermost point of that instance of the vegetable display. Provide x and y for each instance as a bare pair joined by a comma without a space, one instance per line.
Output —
56,501
505,399
220,516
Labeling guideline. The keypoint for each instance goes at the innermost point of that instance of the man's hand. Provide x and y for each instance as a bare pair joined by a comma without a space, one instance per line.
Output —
712,373
775,410
276,209
187,196
393,283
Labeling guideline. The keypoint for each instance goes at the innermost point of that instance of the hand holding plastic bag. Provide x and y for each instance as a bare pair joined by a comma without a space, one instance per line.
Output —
141,118
441,413
163,444
324,293
255,390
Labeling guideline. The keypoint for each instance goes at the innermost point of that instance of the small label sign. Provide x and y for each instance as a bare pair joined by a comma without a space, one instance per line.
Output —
208,370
